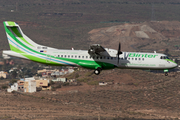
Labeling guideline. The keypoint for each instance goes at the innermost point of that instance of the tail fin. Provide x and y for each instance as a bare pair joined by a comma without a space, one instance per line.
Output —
16,37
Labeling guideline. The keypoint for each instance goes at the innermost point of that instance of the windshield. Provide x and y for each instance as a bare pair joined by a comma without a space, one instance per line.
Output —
164,57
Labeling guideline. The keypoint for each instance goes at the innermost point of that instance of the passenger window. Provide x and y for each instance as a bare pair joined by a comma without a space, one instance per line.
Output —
58,55
104,57
68,56
135,58
107,57
128,58
61,55
132,58
64,55
100,57
142,58
87,57
111,58
79,56
82,56
71,56
97,57
139,58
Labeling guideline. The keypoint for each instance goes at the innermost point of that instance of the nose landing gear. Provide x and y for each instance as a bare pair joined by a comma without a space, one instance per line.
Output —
166,72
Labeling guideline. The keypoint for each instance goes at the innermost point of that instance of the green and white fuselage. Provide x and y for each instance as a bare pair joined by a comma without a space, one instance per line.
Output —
23,47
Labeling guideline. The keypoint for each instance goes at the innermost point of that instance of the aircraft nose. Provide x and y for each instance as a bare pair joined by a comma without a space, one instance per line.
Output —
175,64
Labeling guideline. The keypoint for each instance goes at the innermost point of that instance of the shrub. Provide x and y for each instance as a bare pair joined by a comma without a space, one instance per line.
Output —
89,73
84,80
93,83
65,84
13,81
52,82
53,88
58,86
4,87
42,98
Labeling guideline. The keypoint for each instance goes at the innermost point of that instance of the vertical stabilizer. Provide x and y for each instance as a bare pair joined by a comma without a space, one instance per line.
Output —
16,37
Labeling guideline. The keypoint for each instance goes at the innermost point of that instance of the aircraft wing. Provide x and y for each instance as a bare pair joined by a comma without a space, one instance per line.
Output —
96,49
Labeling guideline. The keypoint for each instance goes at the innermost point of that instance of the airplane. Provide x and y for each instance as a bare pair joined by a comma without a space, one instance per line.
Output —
96,57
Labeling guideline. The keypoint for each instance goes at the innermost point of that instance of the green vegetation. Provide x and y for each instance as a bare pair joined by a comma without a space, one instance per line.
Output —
42,98
4,87
84,79
73,75
93,83
52,83
13,81
89,74
66,84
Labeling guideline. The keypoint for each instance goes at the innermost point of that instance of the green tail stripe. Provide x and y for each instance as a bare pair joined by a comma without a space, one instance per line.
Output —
20,43
16,31
11,23
33,58
15,49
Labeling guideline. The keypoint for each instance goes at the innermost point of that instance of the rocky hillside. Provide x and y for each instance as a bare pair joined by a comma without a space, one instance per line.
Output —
137,36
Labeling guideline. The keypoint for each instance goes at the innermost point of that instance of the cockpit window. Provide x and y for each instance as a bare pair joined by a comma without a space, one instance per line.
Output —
164,57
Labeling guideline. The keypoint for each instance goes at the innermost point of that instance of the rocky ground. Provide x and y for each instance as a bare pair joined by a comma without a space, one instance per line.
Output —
135,94
156,35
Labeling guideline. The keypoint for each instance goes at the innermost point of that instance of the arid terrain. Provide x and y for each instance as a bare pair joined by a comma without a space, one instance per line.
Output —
135,94
156,35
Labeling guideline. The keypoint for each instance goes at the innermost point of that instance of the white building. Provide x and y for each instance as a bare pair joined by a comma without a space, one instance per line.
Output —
30,86
14,87
60,79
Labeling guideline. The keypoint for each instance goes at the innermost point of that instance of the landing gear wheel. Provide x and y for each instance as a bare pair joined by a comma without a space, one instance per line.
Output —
97,71
166,74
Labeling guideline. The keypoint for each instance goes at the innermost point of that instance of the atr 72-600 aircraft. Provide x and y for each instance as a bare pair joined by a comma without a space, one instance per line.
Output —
97,57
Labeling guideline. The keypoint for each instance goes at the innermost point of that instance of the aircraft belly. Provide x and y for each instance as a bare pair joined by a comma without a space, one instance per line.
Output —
139,65
88,64
96,64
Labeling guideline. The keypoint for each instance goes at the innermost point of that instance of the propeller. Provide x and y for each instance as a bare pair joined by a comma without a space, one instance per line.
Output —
119,51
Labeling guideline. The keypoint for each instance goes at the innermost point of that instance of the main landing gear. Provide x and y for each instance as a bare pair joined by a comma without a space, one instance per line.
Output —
166,73
97,71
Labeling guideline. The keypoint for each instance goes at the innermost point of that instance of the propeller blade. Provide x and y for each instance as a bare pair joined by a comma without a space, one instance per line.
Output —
119,51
